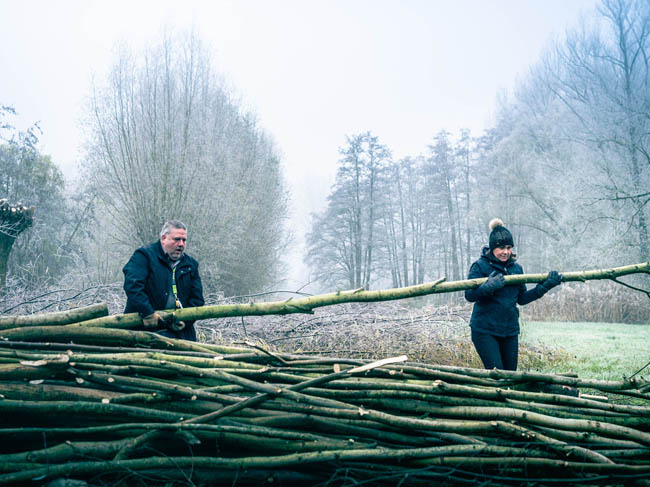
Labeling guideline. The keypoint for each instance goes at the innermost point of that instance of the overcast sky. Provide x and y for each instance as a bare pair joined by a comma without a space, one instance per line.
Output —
313,71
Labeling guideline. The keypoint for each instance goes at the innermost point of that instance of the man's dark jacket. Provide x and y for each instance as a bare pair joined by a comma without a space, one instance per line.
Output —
148,283
496,313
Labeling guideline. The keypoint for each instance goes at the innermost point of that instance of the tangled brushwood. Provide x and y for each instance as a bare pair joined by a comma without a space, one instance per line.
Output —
430,334
118,407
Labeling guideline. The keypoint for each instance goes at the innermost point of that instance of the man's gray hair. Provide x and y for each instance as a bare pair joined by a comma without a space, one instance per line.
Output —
170,225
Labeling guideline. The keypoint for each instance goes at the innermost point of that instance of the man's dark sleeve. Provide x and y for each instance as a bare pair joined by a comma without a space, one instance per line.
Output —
136,271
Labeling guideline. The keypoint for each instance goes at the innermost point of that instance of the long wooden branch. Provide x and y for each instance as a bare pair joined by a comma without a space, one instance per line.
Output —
308,304
58,318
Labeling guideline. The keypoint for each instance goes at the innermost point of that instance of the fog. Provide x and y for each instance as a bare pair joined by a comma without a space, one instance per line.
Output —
312,72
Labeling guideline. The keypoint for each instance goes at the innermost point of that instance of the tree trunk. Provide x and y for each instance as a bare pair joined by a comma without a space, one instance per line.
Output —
14,219
6,242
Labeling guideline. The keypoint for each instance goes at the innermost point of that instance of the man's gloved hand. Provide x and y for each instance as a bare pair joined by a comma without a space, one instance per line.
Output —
169,321
152,320
494,282
554,279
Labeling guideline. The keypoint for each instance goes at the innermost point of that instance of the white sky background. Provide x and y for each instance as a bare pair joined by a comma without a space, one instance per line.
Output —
313,71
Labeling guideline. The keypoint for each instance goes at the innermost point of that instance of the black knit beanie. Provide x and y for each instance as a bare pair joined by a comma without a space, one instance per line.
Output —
499,235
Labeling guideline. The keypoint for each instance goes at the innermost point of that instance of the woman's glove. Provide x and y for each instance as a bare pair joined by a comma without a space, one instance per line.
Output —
554,279
495,281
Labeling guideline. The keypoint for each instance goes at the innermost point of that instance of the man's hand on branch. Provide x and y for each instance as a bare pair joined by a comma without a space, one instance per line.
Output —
161,318
152,320
169,321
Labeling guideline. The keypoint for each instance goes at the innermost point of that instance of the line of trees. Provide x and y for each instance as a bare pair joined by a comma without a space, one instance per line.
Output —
566,166
401,221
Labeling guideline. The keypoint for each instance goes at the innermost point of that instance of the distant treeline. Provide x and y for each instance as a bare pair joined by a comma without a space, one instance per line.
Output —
566,165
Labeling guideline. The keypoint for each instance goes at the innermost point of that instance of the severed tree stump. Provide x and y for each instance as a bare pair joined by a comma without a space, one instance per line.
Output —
14,219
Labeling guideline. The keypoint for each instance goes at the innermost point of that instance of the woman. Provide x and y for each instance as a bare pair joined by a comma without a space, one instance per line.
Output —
495,317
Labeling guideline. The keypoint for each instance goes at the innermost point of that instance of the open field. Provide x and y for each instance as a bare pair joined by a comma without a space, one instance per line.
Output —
608,351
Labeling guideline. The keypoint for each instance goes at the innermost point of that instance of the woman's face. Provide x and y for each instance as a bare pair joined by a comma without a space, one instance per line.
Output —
503,253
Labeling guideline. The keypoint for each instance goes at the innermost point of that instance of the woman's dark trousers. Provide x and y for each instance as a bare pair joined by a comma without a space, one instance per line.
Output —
495,351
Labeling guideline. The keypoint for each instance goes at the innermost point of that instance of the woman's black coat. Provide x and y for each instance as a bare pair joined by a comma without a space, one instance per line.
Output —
497,313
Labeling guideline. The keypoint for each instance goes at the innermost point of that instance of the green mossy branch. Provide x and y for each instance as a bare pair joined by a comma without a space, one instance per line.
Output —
57,318
308,304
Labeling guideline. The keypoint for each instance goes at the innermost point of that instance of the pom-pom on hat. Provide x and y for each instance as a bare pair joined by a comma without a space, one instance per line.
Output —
499,235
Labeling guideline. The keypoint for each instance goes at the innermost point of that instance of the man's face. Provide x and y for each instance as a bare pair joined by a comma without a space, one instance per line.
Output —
174,243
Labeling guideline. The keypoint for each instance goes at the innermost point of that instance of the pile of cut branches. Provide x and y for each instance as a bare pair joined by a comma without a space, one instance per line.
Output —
110,406
89,398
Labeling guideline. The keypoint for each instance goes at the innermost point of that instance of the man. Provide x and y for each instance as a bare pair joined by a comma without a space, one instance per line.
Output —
161,276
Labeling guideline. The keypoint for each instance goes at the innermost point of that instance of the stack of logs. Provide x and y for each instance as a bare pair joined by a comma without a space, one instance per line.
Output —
121,407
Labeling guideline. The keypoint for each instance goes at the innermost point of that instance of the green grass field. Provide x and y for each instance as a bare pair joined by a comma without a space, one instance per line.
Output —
593,350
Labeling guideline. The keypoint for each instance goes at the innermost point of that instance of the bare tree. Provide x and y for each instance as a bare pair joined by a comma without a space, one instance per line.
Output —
602,75
465,157
394,222
169,140
441,164
346,231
